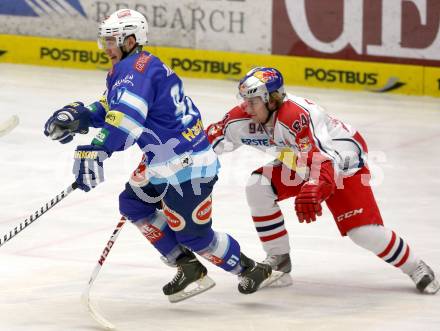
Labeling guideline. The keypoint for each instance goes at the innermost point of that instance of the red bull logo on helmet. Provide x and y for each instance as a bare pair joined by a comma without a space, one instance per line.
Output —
267,75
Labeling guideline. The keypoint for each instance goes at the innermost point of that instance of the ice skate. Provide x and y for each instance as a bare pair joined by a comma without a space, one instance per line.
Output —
283,264
191,279
424,279
255,275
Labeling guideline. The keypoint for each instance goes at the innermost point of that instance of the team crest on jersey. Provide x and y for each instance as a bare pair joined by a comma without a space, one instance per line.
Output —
142,62
202,213
175,221
213,259
304,144
152,233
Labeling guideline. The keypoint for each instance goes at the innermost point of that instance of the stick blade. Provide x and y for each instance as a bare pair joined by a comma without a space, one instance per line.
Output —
9,125
85,299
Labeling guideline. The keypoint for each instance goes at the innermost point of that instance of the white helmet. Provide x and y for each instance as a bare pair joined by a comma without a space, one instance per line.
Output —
121,24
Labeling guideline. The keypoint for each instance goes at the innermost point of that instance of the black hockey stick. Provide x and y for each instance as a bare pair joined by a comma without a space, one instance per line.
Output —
28,221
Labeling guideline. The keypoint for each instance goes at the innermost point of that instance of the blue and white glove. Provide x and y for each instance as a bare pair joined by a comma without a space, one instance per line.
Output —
64,123
88,166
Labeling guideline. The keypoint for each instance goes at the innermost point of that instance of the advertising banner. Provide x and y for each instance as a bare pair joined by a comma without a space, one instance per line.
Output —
432,81
52,52
229,25
393,31
324,73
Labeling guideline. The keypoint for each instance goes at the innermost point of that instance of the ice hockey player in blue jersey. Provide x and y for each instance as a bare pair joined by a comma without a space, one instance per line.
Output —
145,104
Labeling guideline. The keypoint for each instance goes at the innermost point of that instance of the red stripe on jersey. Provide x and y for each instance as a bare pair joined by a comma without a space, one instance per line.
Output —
390,245
267,218
404,258
273,236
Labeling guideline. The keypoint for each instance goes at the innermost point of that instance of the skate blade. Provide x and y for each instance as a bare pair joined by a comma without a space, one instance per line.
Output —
284,281
203,285
432,288
276,275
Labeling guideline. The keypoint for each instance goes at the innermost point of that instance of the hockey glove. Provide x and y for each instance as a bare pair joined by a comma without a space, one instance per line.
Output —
64,123
314,192
88,166
308,201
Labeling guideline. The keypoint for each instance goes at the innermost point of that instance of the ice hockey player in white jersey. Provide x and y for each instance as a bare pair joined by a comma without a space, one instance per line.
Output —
317,159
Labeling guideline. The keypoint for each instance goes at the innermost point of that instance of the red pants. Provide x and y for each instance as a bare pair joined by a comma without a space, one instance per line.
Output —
352,204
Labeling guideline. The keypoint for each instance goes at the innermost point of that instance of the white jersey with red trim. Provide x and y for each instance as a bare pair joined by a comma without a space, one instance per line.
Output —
299,126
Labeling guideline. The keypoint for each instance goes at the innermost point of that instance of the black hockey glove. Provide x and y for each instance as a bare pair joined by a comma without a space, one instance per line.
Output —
64,123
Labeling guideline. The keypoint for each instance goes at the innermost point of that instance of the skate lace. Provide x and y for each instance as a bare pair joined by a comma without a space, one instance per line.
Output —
244,282
420,271
177,277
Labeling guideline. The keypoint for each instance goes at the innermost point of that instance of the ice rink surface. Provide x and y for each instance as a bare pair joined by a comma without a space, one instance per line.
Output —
337,286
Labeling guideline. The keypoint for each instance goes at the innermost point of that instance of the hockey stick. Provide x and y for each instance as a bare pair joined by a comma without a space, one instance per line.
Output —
85,298
28,221
8,125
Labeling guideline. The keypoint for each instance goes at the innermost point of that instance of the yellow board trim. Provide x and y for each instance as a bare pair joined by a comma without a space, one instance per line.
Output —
322,73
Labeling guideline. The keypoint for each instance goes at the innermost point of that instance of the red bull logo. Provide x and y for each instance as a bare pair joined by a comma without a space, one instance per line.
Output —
266,76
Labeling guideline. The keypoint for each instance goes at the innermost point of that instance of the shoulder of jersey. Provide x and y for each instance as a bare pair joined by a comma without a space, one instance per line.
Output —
290,112
136,64
236,114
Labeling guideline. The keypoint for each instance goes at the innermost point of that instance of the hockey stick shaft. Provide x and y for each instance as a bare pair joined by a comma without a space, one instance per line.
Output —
106,250
86,294
37,214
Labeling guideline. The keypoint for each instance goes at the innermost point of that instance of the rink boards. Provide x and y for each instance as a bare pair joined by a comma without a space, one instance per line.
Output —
302,71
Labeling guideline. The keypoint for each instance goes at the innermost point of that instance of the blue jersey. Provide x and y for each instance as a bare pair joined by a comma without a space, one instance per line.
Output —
145,104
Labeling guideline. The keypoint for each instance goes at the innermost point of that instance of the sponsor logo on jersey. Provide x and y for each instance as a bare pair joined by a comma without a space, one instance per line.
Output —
191,133
199,65
349,214
104,103
175,221
202,213
114,118
41,8
142,62
213,259
73,55
100,138
186,160
152,233
255,141
127,80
